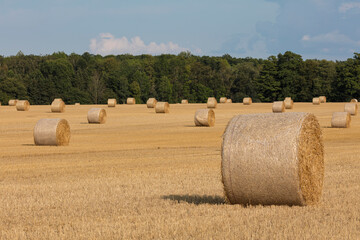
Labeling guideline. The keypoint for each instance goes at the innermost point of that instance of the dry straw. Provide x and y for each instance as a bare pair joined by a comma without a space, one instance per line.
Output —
340,120
228,100
354,100
55,131
22,105
289,103
162,107
287,98
322,99
12,102
184,101
130,101
58,105
278,107
204,117
247,101
211,102
351,108
223,100
77,104
96,115
316,101
111,102
151,102
272,158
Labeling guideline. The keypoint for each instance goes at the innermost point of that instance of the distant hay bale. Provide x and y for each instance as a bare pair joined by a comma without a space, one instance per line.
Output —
204,117
322,99
211,102
77,104
12,102
22,105
151,102
351,108
130,101
96,115
162,107
281,164
184,101
278,107
287,98
58,105
354,100
52,131
111,102
223,100
289,103
228,100
247,101
340,120
316,101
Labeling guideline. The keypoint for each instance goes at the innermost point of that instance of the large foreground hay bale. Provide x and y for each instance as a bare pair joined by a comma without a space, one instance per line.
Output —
184,101
351,108
151,102
316,101
322,99
58,105
22,105
96,115
211,102
272,158
223,100
354,100
340,120
52,131
12,102
130,101
289,103
228,100
247,101
204,117
111,102
278,107
162,107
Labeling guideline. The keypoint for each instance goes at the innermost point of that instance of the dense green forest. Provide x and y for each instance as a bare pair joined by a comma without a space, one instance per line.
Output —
91,78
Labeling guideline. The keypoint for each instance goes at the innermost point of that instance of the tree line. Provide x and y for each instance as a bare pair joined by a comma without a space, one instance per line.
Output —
92,79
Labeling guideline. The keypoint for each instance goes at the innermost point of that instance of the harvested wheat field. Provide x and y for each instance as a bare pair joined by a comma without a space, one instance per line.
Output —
144,175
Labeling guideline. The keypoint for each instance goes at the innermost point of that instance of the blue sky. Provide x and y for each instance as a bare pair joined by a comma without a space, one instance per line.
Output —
322,29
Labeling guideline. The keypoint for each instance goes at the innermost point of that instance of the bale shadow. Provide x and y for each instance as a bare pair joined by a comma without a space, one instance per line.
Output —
196,199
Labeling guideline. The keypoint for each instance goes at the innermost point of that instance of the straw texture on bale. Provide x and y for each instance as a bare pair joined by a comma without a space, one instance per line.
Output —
96,115
151,102
53,131
322,99
211,102
289,103
278,107
204,117
354,100
351,108
228,100
184,101
130,101
316,101
281,164
12,102
223,100
111,102
162,107
247,101
340,120
58,105
22,105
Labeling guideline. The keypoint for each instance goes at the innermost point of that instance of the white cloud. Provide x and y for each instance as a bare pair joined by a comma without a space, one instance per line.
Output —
331,37
347,6
107,44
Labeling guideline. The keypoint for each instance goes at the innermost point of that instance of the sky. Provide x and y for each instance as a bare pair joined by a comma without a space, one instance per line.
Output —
315,29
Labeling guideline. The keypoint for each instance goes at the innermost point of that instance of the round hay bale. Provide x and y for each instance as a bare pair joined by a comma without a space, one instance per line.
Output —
272,158
354,100
223,100
162,107
22,105
130,101
184,101
351,108
247,101
58,105
204,117
278,107
340,120
322,99
289,103
151,102
77,104
52,131
211,102
12,102
111,102
287,98
228,100
316,101
96,115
